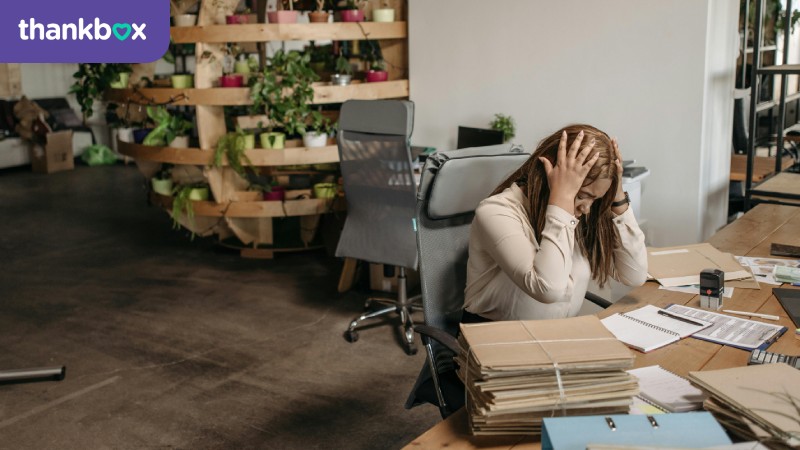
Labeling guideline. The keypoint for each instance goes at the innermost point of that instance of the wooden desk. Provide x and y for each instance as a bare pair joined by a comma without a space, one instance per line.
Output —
763,166
751,235
785,183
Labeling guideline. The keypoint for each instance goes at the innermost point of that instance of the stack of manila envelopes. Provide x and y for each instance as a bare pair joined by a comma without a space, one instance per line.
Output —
518,372
681,266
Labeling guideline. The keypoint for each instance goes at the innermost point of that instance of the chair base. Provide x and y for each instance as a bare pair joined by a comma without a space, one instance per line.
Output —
402,305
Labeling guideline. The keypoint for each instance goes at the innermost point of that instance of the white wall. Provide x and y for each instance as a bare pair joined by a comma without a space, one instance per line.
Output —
657,75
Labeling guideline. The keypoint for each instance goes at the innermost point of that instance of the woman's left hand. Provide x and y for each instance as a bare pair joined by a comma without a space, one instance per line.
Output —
620,194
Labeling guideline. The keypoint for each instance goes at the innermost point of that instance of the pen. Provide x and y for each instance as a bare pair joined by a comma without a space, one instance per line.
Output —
752,314
681,318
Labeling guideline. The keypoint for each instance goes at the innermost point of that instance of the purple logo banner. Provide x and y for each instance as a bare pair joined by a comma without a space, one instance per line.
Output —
83,31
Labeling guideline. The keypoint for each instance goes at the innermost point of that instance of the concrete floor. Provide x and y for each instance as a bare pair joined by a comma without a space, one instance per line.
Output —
176,344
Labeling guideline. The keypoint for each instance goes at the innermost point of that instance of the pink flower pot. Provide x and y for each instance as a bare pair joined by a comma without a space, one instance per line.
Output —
282,16
377,75
236,19
352,15
233,80
278,193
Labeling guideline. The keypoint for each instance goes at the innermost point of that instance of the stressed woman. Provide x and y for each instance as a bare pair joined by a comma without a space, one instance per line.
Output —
559,221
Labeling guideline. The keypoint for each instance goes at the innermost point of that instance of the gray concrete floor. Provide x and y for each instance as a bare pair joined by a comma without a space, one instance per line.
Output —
170,343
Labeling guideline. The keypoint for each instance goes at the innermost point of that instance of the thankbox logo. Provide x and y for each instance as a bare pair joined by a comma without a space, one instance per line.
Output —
100,31
84,31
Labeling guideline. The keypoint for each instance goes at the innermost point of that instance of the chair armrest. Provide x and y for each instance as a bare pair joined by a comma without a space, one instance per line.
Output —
440,336
597,300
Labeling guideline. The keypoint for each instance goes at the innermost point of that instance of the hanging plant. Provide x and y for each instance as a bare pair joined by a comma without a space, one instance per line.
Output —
92,80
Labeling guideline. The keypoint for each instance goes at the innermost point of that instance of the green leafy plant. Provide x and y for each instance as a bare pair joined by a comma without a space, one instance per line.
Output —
168,127
284,92
505,124
182,204
343,65
232,146
355,4
91,81
378,64
319,123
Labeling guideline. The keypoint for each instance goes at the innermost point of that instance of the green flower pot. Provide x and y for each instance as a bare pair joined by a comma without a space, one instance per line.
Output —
182,81
272,140
249,141
122,81
163,187
198,194
325,190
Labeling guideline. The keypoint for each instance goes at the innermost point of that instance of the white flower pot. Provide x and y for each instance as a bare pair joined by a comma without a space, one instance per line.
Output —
315,139
185,20
383,15
180,142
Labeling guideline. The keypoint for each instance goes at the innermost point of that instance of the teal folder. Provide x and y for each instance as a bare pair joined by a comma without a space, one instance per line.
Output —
684,430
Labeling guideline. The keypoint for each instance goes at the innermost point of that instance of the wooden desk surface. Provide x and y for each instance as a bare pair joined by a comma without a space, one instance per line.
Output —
763,166
750,235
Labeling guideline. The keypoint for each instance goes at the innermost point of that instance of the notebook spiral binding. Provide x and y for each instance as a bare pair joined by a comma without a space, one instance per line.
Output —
650,325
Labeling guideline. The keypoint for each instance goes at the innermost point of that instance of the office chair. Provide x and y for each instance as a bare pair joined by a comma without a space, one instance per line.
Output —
452,185
379,187
29,375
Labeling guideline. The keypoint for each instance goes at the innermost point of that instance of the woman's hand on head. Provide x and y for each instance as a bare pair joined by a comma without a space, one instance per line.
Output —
620,194
566,178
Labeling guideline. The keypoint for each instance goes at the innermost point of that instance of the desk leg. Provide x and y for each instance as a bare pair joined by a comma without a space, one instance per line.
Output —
348,275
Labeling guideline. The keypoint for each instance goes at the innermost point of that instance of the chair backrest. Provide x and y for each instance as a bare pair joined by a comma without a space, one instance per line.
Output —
378,179
452,185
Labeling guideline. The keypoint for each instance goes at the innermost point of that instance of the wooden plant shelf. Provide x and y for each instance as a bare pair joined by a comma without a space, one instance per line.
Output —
323,93
258,157
289,208
261,32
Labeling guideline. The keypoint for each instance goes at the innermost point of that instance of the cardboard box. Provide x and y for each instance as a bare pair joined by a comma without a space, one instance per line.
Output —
55,156
386,280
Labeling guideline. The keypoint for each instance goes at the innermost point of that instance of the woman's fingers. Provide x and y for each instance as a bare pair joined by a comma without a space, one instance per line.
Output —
576,144
548,167
581,157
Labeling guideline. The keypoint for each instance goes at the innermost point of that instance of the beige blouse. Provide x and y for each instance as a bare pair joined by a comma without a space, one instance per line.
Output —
510,276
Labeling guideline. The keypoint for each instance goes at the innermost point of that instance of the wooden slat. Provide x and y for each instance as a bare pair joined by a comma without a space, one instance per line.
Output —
292,208
784,183
261,32
762,167
258,157
323,93
10,81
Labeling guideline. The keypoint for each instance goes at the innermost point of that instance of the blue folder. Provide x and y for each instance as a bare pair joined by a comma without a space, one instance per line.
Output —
685,430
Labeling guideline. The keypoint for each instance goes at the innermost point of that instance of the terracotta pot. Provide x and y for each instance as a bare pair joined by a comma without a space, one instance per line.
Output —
318,17
352,15
234,80
282,16
236,19
377,75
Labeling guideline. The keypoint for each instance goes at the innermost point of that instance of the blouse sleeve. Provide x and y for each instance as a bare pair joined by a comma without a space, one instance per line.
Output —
540,270
630,257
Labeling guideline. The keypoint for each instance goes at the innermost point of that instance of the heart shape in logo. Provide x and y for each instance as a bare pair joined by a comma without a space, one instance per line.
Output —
121,26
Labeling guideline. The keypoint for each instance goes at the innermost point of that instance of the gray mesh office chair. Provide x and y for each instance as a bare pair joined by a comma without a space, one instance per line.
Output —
452,185
380,190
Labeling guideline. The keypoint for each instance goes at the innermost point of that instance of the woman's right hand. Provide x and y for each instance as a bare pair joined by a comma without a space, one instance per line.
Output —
566,178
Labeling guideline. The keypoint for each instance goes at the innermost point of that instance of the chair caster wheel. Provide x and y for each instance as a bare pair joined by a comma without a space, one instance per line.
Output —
351,336
411,350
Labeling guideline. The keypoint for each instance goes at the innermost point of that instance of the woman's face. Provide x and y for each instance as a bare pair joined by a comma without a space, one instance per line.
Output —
589,193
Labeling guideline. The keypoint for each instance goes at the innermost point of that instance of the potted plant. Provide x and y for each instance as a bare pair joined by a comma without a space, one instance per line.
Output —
325,191
285,15
353,11
505,124
92,80
238,18
384,14
377,71
162,181
344,72
245,65
170,130
182,201
271,192
179,11
233,146
318,130
320,15
284,93
321,56
229,78
182,80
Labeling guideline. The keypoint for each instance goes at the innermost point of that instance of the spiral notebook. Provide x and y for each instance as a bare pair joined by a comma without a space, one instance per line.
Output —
650,327
667,391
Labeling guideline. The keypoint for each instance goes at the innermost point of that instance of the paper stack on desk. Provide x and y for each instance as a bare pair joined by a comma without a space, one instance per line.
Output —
681,266
518,372
760,402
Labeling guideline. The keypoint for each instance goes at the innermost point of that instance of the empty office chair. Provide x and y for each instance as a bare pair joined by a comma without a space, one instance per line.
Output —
452,185
380,190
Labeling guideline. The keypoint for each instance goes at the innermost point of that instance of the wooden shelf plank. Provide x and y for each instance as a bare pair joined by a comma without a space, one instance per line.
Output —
326,93
323,93
259,157
261,32
783,69
291,208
